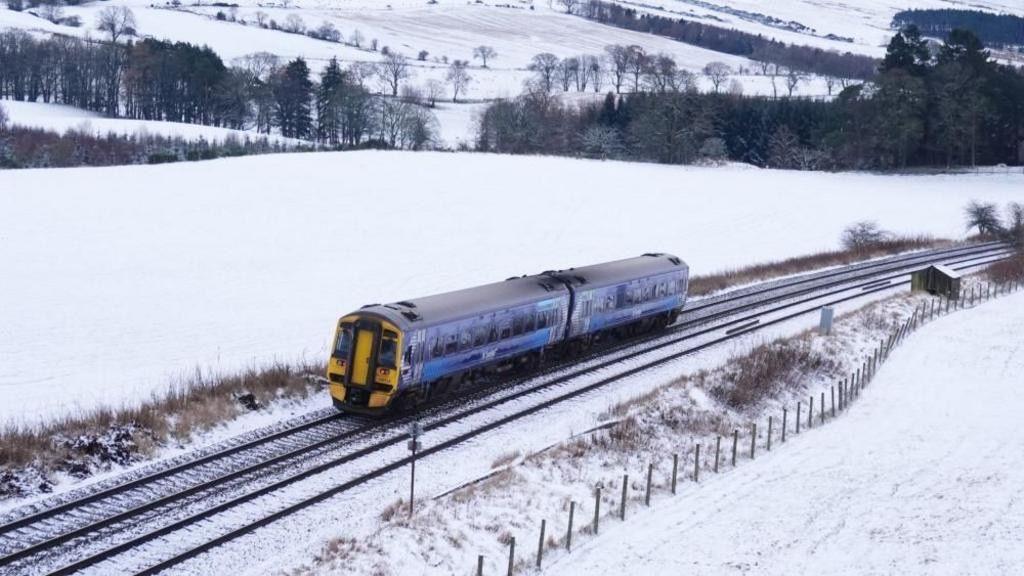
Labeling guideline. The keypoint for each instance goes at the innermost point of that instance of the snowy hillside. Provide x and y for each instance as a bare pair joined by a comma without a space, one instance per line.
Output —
60,118
860,26
920,477
126,278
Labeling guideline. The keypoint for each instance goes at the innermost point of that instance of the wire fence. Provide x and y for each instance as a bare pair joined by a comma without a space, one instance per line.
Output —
743,444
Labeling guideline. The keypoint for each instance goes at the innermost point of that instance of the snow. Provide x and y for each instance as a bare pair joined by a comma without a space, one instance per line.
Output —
920,477
61,118
866,22
125,279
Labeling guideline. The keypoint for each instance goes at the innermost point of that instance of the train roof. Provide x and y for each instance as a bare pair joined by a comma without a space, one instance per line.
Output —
610,273
469,302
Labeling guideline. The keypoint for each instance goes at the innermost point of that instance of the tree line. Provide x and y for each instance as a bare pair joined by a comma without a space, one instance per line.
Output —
177,81
997,30
955,108
754,46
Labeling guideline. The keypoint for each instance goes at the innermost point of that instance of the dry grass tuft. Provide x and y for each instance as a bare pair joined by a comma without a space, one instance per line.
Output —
505,459
702,285
1007,271
84,443
767,370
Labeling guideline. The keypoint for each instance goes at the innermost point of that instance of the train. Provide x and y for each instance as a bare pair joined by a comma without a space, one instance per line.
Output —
399,356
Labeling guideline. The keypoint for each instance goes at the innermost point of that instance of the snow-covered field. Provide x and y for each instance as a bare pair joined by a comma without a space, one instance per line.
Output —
922,476
865,22
61,118
119,280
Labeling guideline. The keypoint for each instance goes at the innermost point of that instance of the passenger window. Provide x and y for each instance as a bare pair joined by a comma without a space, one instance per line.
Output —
517,326
479,336
506,331
436,347
531,322
465,340
451,344
542,320
609,302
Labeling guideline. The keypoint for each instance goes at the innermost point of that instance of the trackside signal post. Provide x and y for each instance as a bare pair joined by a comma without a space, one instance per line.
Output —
414,445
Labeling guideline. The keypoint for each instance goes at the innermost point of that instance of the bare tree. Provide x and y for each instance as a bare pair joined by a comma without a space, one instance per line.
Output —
294,23
661,73
568,72
830,83
393,70
545,65
117,21
52,12
357,38
717,73
984,217
793,79
261,18
569,5
434,88
736,87
618,65
3,119
862,235
458,77
1014,217
484,53
361,71
637,63
596,68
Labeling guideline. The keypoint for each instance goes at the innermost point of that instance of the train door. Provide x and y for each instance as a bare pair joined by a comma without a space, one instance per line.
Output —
366,337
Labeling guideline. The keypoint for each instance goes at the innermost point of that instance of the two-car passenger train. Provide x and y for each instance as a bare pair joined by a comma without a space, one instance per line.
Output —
404,354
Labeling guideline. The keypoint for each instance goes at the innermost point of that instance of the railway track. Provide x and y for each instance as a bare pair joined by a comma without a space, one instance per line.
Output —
101,526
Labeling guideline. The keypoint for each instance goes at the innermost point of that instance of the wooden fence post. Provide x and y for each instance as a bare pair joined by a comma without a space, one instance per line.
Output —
480,565
675,471
735,440
540,543
647,493
797,417
622,505
753,439
597,510
511,555
833,401
822,410
784,414
769,445
696,464
718,450
568,533
810,411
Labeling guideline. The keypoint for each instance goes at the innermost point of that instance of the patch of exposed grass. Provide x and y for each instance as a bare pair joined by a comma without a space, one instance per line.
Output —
82,444
703,285
767,370
1007,271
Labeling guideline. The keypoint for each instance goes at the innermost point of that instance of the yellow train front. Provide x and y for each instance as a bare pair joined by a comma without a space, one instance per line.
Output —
364,367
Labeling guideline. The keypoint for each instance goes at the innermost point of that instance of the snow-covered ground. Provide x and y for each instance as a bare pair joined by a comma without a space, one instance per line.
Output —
810,22
61,118
119,280
922,476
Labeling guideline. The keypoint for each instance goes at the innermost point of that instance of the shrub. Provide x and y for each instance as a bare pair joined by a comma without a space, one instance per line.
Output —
864,235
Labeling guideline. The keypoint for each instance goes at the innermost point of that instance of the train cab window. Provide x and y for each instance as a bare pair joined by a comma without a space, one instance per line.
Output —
407,357
344,344
531,322
387,355
451,344
517,326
